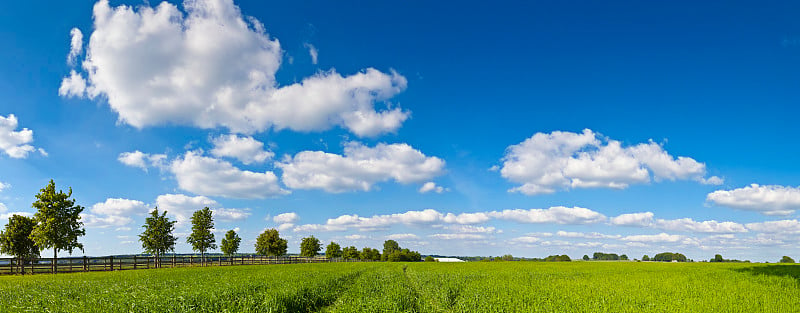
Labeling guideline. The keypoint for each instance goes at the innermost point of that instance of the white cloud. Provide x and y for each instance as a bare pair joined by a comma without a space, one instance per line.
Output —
431,186
457,236
558,214
15,144
377,222
642,219
662,237
142,160
526,239
546,163
285,226
114,212
244,148
182,206
359,168
289,217
401,236
783,226
689,225
312,51
230,215
213,177
767,199
593,235
355,237
210,67
471,229
75,46
3,186
72,86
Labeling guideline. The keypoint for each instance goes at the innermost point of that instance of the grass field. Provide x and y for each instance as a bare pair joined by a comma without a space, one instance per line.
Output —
416,287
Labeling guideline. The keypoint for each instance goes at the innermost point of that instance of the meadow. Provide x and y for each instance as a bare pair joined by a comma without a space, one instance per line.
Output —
416,287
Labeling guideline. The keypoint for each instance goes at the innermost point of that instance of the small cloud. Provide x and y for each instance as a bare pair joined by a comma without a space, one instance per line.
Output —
431,186
312,51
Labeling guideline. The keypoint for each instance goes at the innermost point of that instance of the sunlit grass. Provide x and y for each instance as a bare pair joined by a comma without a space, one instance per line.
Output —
416,287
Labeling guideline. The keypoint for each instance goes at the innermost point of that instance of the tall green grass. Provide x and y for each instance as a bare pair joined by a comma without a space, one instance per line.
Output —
416,287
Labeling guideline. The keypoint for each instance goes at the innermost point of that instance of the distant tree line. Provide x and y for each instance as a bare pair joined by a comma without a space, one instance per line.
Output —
600,256
718,259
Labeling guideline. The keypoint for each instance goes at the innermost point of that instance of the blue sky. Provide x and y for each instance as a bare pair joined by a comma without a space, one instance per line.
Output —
530,128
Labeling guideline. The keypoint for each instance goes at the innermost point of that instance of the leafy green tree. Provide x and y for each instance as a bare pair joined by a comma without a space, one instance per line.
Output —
429,259
623,257
645,258
585,257
310,246
350,252
202,239
370,254
786,259
717,258
270,243
58,221
389,246
507,257
16,239
558,258
157,237
230,244
333,250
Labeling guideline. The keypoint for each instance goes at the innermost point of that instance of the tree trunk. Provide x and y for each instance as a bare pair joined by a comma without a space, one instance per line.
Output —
55,260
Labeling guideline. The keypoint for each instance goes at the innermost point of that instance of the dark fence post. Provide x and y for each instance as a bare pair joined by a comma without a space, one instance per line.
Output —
134,262
111,260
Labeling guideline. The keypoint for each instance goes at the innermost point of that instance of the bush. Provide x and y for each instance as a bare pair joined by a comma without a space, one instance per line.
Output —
786,259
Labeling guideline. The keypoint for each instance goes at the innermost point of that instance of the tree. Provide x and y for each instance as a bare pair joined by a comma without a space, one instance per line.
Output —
585,257
16,239
429,259
230,244
309,247
645,258
389,246
508,257
58,221
202,239
157,237
623,257
370,254
270,243
786,259
350,252
717,258
557,258
333,250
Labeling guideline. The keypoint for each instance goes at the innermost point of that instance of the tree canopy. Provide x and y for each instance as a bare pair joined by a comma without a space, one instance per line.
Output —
270,243
669,257
16,239
310,246
370,254
58,221
202,238
350,252
157,236
230,244
333,250
600,256
786,259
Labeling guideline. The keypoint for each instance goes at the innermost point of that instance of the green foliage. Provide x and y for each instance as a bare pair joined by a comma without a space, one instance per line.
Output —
333,250
605,256
58,220
370,254
202,239
557,258
719,259
389,246
669,257
429,259
270,243
350,252
310,246
507,257
786,259
623,257
16,239
230,244
416,287
404,255
157,236
585,257
645,258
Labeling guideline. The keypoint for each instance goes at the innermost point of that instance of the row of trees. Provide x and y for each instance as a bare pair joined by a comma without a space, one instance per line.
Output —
55,225
157,239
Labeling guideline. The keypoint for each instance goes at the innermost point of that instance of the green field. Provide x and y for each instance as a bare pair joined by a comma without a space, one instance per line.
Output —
416,287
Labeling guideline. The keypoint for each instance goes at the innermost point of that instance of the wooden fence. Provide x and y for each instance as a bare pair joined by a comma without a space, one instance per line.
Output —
118,263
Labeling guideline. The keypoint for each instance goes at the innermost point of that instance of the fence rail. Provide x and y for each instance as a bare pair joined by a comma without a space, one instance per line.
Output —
119,263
